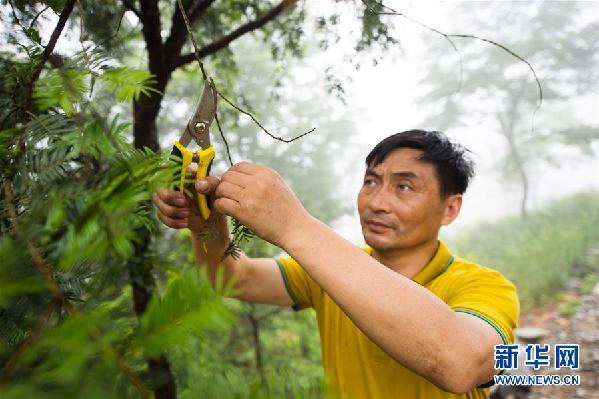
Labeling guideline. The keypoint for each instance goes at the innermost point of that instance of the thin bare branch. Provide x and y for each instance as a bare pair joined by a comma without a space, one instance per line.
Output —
238,108
14,15
466,36
513,54
224,140
82,22
193,40
43,10
446,37
105,41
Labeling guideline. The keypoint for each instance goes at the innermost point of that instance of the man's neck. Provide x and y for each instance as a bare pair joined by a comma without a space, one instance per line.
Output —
408,261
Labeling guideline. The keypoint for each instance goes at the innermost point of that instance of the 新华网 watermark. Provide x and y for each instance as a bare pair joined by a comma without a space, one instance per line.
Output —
537,356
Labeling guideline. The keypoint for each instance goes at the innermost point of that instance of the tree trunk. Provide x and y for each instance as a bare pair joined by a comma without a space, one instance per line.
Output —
145,112
523,201
255,324
142,285
163,58
508,127
522,175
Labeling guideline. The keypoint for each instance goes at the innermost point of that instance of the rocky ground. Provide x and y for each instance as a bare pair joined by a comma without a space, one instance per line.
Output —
583,329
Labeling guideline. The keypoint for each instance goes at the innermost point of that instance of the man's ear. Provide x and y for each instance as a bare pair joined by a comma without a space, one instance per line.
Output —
453,204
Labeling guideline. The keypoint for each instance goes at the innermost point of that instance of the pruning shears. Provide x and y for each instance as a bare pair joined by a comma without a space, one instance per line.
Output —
198,129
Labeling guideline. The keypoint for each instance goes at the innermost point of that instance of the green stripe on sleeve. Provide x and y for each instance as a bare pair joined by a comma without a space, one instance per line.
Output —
487,320
296,304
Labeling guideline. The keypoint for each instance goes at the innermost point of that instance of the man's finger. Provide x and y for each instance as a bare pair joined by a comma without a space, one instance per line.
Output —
228,207
240,179
170,211
207,185
247,168
175,224
229,190
171,197
191,170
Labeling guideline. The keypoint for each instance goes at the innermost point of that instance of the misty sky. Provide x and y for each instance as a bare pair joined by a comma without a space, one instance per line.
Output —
381,100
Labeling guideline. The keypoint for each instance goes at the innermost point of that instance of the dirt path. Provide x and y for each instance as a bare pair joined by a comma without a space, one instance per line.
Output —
582,329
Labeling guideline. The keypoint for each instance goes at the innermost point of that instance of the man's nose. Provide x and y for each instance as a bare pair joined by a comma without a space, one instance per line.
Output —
380,201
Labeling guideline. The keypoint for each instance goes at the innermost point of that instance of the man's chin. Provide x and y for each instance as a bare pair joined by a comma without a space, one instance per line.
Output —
379,242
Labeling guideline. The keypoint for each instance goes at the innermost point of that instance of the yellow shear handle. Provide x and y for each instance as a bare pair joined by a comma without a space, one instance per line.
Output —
205,157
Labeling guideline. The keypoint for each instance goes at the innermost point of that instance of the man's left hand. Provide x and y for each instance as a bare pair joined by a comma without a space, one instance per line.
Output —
259,198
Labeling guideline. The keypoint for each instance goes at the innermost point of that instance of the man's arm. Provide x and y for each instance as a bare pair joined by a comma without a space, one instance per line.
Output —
454,351
255,279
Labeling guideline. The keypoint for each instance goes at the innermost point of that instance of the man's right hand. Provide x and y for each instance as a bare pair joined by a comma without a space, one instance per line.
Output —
179,211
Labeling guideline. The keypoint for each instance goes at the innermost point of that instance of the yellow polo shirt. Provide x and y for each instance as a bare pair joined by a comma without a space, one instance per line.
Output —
359,369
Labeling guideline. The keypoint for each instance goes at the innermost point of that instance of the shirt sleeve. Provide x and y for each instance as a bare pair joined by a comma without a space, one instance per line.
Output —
488,295
301,287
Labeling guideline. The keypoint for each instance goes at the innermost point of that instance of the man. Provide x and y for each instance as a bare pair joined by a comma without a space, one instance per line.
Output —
401,318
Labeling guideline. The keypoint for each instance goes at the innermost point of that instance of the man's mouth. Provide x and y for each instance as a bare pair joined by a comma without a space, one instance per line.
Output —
377,226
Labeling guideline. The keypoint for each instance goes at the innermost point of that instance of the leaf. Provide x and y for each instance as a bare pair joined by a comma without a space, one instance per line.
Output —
33,34
56,5
188,307
56,215
128,83
63,88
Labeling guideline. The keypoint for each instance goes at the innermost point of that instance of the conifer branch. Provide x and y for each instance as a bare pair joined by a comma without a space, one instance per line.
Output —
13,360
58,298
38,261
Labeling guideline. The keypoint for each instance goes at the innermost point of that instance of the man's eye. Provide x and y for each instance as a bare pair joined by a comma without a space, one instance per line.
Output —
404,187
368,182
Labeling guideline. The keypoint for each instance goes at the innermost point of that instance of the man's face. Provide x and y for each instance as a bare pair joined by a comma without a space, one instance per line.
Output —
399,203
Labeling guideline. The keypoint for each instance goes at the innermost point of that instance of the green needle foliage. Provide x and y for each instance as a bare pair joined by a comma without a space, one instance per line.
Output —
240,234
75,197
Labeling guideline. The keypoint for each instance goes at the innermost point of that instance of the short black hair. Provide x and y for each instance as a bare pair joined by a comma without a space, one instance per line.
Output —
452,161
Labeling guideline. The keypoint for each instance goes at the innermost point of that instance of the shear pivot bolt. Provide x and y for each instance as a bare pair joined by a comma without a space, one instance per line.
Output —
200,127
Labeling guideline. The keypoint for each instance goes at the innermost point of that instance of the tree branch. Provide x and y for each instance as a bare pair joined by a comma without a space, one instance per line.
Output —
131,7
242,30
35,74
38,261
43,10
178,34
